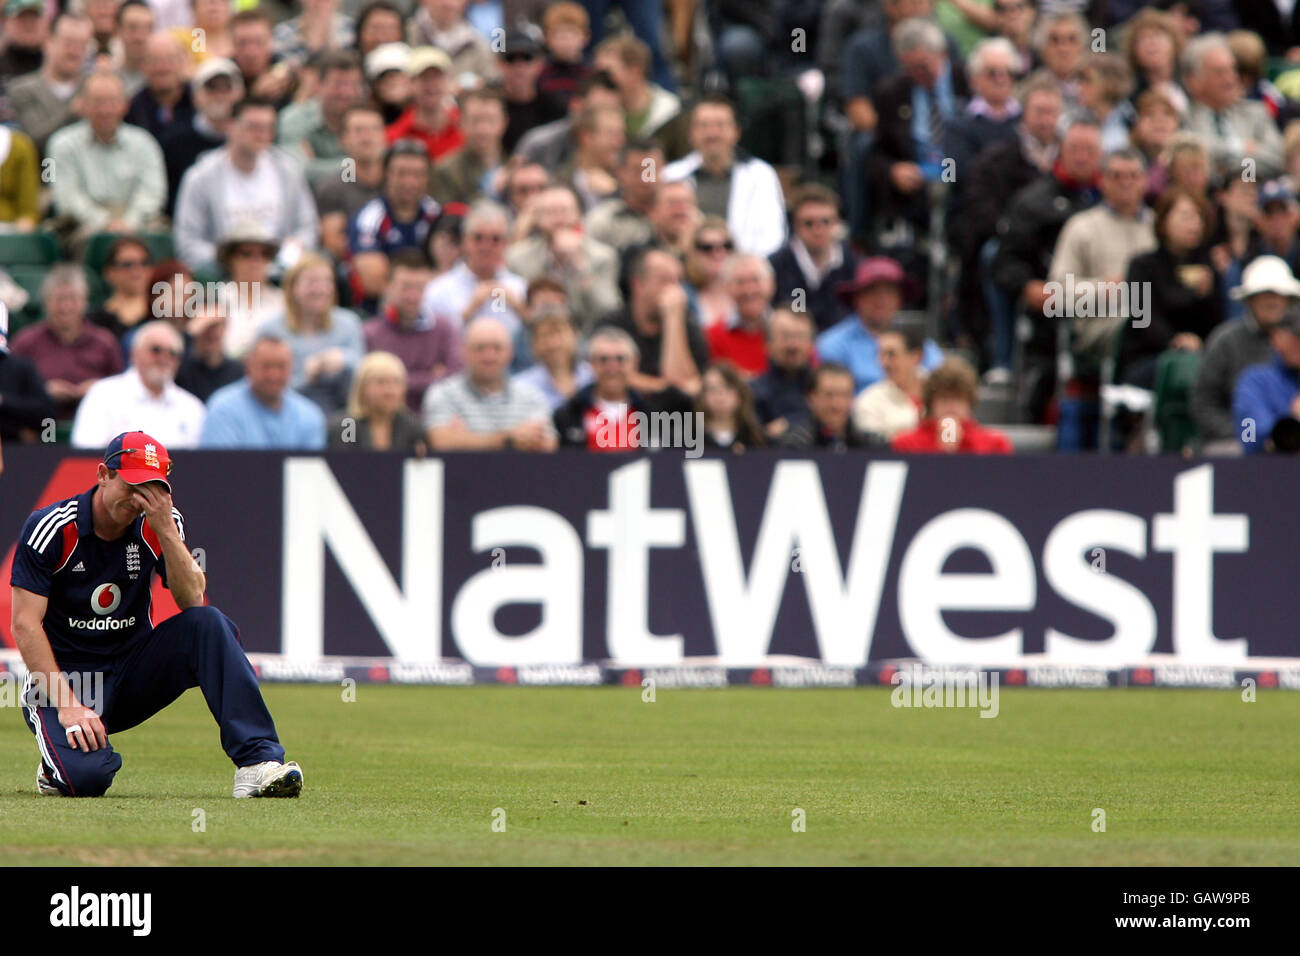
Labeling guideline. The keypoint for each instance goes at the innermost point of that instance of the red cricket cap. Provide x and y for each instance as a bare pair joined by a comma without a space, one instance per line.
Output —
138,458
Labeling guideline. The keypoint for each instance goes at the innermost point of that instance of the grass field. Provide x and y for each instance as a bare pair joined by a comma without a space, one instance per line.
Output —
412,775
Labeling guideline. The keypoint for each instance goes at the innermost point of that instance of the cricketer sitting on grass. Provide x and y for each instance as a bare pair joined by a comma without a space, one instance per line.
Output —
82,606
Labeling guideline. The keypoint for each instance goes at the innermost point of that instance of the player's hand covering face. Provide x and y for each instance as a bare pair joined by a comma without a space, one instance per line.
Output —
156,502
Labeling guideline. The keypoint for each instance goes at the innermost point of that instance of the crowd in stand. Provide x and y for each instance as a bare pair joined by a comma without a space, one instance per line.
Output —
455,225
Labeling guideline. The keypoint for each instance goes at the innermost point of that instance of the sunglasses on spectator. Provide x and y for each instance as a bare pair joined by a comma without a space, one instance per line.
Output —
602,359
519,58
493,237
253,252
711,247
164,350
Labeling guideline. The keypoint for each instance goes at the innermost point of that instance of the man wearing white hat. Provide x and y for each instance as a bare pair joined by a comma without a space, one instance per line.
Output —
1267,287
433,118
386,74
216,87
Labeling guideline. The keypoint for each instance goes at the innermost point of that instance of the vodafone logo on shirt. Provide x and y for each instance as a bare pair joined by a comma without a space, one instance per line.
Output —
103,601
106,599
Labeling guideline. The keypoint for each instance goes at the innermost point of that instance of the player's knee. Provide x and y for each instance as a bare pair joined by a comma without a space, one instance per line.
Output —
207,622
92,774
205,616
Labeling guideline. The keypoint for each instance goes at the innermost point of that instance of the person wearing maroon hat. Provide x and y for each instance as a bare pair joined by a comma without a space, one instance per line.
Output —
875,295
97,662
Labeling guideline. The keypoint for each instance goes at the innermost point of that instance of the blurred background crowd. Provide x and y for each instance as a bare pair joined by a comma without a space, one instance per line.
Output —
977,226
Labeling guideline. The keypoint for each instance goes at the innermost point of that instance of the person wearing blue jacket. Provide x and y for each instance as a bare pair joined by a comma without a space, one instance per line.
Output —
1269,393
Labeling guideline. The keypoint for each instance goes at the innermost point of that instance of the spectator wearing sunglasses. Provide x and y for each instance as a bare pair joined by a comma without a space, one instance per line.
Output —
993,111
127,268
248,297
816,258
706,255
480,284
145,395
526,105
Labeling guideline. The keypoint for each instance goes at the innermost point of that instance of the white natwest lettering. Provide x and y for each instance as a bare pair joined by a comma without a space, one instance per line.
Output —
795,535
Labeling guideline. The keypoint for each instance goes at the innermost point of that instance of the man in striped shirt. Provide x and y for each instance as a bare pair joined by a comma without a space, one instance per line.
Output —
481,409
83,620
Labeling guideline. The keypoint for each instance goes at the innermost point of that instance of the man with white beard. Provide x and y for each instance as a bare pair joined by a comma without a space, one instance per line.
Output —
145,396
216,87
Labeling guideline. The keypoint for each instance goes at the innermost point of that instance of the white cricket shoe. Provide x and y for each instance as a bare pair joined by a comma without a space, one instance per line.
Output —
44,785
268,779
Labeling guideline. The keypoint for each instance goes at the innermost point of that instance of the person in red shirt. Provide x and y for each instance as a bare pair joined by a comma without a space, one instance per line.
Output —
433,117
740,337
949,424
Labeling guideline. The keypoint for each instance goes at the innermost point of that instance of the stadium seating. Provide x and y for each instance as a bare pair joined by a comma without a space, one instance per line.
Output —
1175,374
28,249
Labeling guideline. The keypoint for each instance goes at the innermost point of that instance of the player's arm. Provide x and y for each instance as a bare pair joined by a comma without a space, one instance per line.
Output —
34,646
185,579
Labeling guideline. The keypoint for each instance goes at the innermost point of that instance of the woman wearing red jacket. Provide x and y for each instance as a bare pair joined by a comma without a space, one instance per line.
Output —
949,424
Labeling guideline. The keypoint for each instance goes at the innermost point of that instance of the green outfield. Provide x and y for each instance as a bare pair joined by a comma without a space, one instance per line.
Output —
417,775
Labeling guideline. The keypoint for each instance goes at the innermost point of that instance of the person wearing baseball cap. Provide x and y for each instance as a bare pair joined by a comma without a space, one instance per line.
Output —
875,294
81,589
390,87
432,117
385,58
1268,289
26,31
526,105
215,88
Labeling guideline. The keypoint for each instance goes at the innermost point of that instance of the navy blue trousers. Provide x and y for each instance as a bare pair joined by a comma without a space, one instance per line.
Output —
197,648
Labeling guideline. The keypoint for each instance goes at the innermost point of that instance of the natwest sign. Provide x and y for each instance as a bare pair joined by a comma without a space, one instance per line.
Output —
651,560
